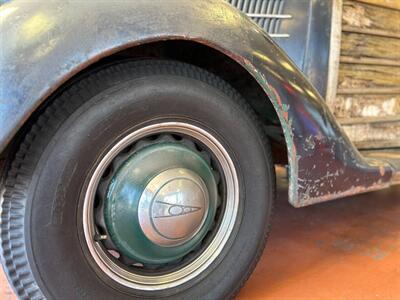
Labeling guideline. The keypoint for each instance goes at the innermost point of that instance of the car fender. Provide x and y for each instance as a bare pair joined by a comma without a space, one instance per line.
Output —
46,43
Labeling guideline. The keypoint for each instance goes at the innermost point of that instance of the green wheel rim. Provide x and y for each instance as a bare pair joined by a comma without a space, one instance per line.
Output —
202,242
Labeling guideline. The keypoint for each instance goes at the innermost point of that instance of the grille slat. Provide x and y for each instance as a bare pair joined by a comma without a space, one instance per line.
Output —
268,14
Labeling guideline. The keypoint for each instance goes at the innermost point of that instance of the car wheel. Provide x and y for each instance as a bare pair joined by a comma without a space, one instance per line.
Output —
139,180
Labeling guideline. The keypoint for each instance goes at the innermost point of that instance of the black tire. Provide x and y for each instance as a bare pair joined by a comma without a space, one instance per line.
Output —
42,246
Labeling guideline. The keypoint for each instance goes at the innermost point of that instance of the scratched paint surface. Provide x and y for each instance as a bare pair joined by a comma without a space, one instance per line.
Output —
323,162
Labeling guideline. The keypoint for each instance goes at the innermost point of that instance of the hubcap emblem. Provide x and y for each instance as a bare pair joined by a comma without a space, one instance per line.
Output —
173,207
175,210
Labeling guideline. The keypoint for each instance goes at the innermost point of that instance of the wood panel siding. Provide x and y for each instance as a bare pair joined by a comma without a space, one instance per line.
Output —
357,106
394,4
369,61
370,120
379,135
361,16
370,46
367,102
368,76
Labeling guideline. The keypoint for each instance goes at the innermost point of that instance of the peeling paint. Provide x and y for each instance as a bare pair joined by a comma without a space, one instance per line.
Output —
309,143
323,162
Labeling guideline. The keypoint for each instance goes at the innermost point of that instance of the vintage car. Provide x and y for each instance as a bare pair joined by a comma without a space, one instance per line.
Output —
138,139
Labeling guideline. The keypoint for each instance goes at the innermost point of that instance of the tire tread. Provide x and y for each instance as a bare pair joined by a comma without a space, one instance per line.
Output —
63,104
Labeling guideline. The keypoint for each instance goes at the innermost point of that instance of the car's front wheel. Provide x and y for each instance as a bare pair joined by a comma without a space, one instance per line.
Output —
141,179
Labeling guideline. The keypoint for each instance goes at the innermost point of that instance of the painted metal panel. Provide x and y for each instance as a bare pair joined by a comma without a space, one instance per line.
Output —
301,28
48,43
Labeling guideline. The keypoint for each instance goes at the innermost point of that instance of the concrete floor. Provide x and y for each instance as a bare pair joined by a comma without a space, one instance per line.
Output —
344,249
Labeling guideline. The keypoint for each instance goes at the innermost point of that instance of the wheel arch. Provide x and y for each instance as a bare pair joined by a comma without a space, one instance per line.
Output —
201,55
39,40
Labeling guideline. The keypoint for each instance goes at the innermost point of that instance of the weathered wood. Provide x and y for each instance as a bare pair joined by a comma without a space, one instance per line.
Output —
362,45
393,4
368,91
356,106
369,120
369,61
378,133
367,103
381,144
376,32
370,19
368,76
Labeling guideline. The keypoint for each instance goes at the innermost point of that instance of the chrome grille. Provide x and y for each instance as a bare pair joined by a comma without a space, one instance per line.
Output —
268,14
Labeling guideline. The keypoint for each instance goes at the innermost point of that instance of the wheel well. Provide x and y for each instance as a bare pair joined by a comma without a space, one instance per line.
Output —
202,56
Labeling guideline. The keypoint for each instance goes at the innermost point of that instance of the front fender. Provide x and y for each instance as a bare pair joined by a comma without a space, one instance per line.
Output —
45,43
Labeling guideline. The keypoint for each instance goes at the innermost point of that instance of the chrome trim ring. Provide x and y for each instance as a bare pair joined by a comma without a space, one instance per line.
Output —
216,245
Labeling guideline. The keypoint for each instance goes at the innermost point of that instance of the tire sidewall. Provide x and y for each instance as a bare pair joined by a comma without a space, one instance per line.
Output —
56,245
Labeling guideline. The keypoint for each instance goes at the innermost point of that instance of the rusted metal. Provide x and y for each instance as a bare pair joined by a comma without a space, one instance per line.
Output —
45,43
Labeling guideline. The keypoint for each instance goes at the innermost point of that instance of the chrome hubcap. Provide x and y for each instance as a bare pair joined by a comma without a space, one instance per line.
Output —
166,211
147,204
173,207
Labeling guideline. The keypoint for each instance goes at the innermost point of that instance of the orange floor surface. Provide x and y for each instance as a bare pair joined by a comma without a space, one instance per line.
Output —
347,249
